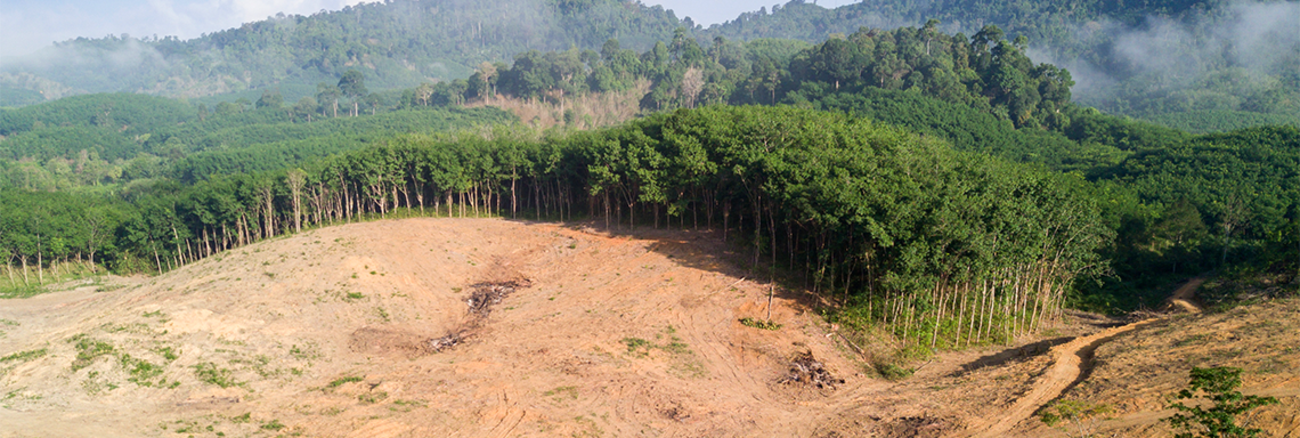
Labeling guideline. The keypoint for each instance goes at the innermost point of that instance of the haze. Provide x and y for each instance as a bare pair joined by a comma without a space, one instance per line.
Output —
28,25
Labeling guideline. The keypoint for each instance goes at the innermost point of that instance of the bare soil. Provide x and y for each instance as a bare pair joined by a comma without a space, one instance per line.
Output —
559,331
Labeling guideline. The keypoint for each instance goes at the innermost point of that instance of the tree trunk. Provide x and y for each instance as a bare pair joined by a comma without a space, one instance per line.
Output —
26,280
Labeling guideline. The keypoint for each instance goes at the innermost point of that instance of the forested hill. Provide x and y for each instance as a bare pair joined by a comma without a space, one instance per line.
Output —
397,43
1212,64
1227,64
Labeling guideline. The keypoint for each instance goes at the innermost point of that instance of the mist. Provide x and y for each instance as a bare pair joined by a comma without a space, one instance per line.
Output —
1250,39
28,26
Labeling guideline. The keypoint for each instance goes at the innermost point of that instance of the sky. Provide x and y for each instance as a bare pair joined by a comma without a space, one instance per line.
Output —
28,25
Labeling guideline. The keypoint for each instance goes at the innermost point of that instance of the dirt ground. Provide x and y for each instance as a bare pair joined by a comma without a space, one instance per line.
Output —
365,330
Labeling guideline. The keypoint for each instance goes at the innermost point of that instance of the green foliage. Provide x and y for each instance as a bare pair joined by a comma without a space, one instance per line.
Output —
1077,418
339,382
273,425
893,371
133,114
1218,387
759,324
88,350
24,356
60,145
969,129
280,146
210,373
142,372
1199,122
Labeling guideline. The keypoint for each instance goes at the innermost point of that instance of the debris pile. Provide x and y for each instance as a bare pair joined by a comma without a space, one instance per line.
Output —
480,302
486,295
808,371
436,345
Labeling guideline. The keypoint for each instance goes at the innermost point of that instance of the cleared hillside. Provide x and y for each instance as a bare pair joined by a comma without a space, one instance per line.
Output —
558,331
326,333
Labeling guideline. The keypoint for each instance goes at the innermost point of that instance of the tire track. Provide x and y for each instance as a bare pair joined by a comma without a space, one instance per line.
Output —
1070,363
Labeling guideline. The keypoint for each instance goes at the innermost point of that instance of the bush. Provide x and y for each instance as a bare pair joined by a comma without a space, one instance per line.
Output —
1219,420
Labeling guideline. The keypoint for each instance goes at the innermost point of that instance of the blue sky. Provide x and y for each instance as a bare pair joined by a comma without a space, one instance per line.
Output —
28,25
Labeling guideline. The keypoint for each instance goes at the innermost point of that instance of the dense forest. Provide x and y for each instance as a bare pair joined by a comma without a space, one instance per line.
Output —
985,72
1235,59
1191,64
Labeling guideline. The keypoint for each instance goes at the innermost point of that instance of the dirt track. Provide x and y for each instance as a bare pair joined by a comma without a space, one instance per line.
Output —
1070,362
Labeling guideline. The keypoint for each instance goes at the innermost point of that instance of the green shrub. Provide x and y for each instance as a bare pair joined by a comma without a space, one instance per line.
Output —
1218,385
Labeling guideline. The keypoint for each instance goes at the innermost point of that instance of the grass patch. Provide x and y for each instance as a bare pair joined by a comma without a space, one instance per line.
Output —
684,362
24,356
209,372
764,325
892,371
88,350
273,425
21,291
167,353
95,385
142,372
637,346
340,382
562,392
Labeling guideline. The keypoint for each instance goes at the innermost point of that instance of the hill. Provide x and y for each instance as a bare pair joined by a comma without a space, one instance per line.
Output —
560,330
1157,58
395,43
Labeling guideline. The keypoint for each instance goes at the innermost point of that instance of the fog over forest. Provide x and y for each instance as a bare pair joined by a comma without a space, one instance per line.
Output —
1256,37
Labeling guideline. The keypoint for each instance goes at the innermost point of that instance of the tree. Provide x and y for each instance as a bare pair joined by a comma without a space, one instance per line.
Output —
296,179
327,93
353,85
488,71
305,107
1219,420
270,99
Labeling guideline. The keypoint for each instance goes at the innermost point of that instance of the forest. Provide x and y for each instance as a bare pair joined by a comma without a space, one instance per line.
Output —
943,186
1195,65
